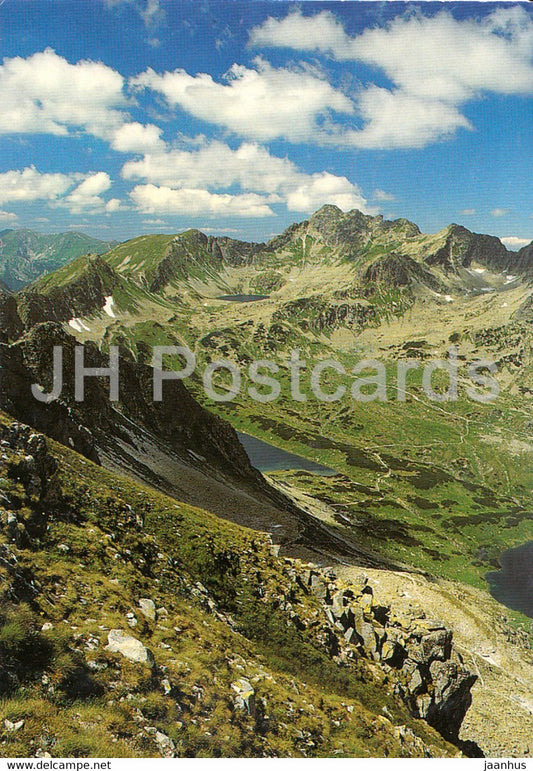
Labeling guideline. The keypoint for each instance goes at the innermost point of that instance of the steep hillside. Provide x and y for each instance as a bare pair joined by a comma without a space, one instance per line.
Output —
174,445
135,626
26,255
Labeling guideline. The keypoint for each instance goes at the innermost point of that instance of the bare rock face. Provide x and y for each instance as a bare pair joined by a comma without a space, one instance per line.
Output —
33,468
82,296
10,322
398,270
88,425
129,647
462,247
451,697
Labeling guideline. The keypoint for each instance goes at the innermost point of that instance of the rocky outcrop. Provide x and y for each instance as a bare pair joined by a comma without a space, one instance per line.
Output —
11,325
461,247
523,262
33,468
320,315
244,695
352,230
80,297
397,270
147,608
524,313
193,252
354,316
415,652
178,418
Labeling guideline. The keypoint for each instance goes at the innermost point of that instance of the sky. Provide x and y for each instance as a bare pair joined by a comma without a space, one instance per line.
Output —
125,117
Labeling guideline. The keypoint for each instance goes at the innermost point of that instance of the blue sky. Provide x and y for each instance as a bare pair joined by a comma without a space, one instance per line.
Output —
122,117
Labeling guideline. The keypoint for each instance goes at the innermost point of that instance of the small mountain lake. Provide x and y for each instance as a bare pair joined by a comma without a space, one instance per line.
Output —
243,298
512,585
266,457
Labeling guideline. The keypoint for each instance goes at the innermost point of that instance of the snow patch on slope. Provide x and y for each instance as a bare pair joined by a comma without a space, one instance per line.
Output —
78,325
108,307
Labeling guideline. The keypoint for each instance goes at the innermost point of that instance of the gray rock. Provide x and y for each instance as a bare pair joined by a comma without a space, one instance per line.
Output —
147,608
165,744
318,586
435,646
350,636
129,647
337,604
245,695
389,650
415,681
423,704
131,618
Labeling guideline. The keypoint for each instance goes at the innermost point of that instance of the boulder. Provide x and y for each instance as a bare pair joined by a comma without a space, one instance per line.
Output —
165,744
10,726
350,636
389,651
245,695
337,604
435,646
414,679
129,647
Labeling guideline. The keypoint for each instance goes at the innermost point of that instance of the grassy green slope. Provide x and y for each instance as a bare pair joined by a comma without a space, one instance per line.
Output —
87,545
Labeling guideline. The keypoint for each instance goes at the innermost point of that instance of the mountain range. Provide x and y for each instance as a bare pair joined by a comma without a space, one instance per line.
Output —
25,255
224,611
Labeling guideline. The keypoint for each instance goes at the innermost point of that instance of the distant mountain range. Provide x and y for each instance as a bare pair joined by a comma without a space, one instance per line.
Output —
334,270
26,255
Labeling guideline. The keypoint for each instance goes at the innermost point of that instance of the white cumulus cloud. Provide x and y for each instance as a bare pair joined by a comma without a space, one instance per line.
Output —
80,193
513,242
30,185
44,93
262,103
87,196
434,63
152,199
7,216
320,32
114,205
321,188
250,167
137,138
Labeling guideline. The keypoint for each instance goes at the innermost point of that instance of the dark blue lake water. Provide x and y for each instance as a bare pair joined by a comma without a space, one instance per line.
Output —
512,585
243,298
266,457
